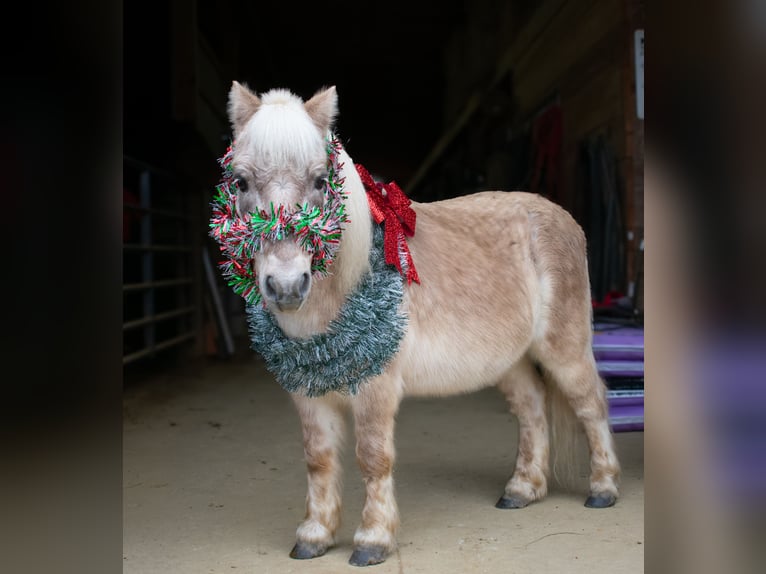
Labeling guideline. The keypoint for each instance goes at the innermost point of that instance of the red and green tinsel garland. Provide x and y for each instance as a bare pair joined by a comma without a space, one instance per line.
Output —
318,229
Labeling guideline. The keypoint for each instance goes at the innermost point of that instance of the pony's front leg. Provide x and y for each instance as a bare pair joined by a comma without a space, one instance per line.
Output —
374,410
323,426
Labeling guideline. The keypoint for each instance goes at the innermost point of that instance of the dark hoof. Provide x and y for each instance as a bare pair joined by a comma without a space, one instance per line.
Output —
368,555
601,501
305,550
511,502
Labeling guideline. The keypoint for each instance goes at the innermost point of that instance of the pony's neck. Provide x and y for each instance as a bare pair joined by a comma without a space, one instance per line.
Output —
351,263
353,259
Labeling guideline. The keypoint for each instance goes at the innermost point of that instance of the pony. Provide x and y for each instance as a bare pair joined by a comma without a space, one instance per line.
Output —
493,291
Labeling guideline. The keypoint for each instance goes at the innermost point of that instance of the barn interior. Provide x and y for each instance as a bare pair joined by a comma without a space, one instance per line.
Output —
446,99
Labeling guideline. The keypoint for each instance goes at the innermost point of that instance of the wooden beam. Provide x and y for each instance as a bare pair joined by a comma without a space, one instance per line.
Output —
537,24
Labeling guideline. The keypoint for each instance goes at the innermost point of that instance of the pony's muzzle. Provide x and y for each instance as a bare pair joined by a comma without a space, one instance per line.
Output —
288,293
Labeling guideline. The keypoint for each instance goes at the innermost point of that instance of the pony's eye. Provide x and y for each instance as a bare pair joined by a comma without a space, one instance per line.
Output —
319,183
241,184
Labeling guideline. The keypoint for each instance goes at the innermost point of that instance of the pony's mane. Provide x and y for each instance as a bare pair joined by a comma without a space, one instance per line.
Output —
282,130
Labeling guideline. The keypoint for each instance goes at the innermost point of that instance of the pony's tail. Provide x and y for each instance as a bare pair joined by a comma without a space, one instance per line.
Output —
568,445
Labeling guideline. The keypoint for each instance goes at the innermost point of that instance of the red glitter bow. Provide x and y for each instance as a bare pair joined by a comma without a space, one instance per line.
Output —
389,204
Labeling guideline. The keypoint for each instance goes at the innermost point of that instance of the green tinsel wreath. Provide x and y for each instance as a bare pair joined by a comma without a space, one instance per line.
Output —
358,344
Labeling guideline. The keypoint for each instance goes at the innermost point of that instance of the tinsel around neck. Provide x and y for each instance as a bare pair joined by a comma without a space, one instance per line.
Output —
357,345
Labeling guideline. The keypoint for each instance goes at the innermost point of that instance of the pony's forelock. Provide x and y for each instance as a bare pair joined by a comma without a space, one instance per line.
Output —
282,131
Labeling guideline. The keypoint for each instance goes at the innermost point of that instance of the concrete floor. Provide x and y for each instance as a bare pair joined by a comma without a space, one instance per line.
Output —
214,481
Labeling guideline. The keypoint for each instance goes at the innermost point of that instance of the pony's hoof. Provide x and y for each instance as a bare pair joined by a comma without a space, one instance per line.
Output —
368,555
306,550
511,502
601,501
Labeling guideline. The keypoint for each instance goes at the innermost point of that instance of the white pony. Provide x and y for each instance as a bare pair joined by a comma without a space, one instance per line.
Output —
501,297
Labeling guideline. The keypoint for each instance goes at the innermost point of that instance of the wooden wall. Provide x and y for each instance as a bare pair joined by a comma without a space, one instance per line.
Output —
577,53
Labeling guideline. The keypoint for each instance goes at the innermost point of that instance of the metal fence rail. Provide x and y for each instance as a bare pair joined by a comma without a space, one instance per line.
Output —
162,281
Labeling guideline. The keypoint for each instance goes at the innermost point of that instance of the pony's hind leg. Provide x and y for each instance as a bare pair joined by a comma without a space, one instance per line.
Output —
525,392
585,392
323,425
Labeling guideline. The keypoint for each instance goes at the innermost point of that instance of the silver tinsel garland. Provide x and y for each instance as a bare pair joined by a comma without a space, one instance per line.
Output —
358,343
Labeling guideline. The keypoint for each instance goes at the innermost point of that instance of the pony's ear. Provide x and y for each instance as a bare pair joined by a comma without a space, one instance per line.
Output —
242,105
323,108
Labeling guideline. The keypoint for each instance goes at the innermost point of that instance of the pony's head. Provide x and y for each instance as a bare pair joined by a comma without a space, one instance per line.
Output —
280,177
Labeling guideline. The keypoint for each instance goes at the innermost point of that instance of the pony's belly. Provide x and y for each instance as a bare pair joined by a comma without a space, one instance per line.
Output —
436,366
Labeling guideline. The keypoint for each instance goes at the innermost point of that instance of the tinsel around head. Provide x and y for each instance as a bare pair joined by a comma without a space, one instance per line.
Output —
357,345
317,229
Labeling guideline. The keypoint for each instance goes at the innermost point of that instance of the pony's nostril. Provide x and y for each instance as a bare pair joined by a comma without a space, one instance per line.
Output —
271,290
287,294
304,286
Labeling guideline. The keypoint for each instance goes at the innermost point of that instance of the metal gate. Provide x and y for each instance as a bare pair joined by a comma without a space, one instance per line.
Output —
162,280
